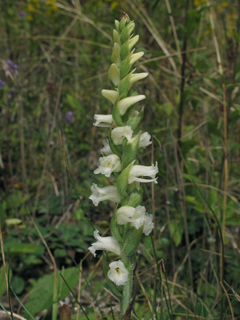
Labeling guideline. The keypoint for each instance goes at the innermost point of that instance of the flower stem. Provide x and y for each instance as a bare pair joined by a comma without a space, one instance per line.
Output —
127,293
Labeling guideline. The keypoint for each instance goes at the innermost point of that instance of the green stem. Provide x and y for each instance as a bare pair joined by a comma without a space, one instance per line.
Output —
127,293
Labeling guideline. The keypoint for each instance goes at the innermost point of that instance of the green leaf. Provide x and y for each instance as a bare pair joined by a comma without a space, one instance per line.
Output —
176,231
17,284
41,296
21,248
187,146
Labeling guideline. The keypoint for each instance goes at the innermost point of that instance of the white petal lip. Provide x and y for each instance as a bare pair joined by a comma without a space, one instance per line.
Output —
104,243
118,273
125,103
103,120
148,224
108,164
111,95
145,140
106,150
119,133
138,170
106,193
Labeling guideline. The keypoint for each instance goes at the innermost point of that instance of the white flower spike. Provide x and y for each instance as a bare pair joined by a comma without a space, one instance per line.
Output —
118,273
108,164
106,193
119,133
104,243
138,171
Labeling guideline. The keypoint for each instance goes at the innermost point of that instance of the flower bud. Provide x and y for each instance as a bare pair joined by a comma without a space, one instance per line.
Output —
111,95
117,25
137,76
114,74
133,41
116,54
125,103
116,37
135,57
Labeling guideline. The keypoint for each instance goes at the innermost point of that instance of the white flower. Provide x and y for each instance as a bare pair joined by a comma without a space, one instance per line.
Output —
137,171
103,120
148,224
118,273
106,193
145,140
104,243
129,214
108,164
119,133
125,103
137,217
106,150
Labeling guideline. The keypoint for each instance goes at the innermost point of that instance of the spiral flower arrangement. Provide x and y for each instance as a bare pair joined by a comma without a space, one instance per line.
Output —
119,161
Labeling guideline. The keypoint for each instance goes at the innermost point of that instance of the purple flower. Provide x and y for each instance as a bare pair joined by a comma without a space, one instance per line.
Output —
11,65
51,123
22,14
2,84
69,116
10,69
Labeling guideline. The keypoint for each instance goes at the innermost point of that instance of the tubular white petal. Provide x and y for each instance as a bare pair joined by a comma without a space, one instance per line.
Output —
108,164
124,214
145,140
137,76
104,243
138,170
106,193
111,95
118,273
103,120
106,150
114,74
135,57
125,103
119,133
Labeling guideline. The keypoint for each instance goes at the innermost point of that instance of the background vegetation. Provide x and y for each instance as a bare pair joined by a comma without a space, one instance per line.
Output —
54,61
